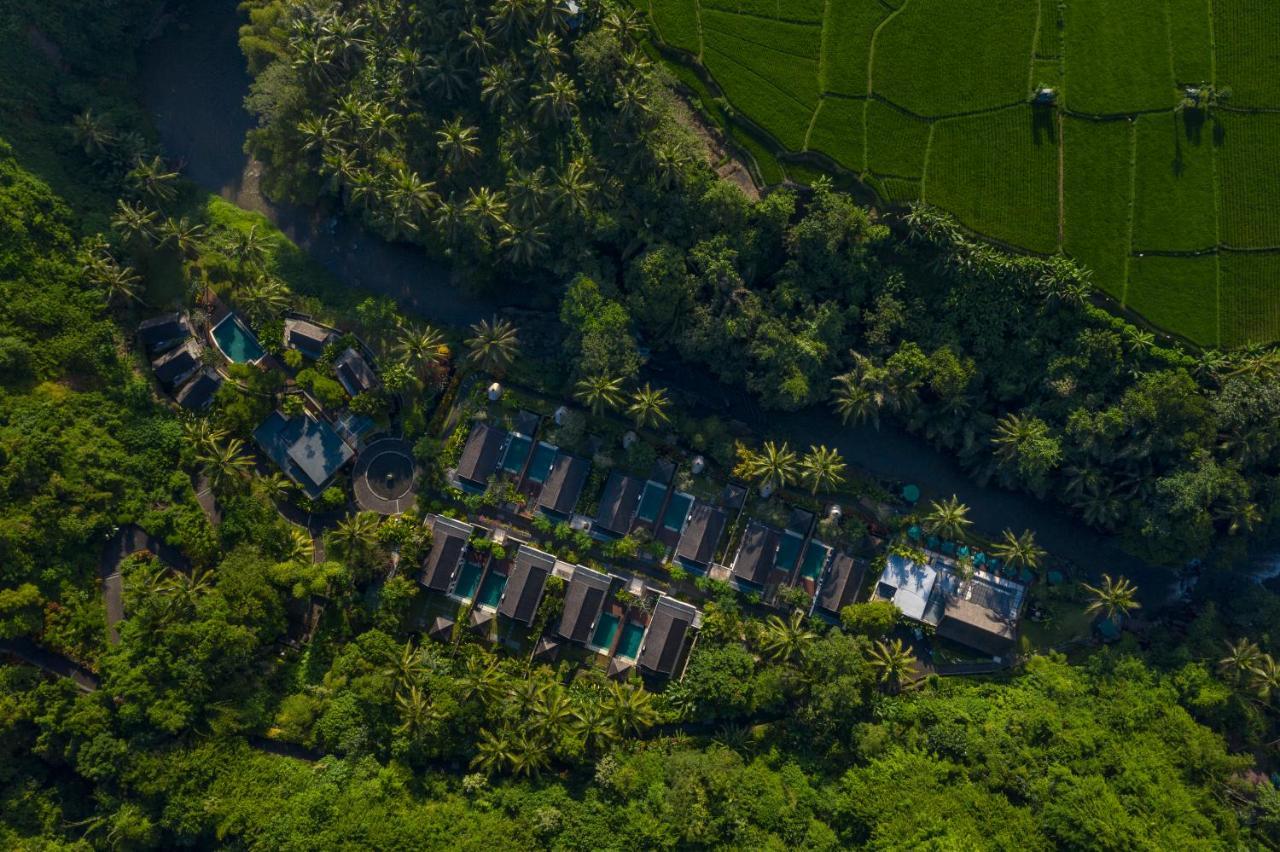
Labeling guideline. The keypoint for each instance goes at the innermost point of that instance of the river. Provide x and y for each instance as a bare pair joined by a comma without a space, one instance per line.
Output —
193,82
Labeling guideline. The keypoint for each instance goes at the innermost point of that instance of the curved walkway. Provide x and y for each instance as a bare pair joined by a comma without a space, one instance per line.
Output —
385,478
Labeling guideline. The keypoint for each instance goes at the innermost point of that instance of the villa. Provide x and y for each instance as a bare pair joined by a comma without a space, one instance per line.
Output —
307,337
838,586
756,556
308,450
665,643
701,537
618,505
354,372
173,368
197,393
162,333
480,456
563,485
525,584
448,546
584,600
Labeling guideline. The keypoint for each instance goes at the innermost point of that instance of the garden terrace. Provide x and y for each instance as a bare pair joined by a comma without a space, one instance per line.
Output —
584,602
307,337
308,450
480,456
665,645
563,485
618,504
448,545
161,333
354,372
525,584
697,547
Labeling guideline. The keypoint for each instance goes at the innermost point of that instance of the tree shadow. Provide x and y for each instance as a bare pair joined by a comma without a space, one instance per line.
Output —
1193,121
1043,127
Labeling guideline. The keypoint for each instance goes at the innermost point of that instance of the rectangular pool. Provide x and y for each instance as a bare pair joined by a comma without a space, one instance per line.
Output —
788,551
544,455
491,590
468,579
606,629
517,452
815,559
677,511
651,502
629,644
236,341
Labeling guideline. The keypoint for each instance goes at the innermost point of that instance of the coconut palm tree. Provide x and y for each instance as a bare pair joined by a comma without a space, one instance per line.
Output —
354,536
275,486
1241,659
630,710
92,134
226,463
416,711
184,235
573,189
481,679
421,348
1265,678
486,209
772,468
264,298
202,434
529,755
783,641
152,179
947,518
119,283
1240,515
494,752
822,469
457,143
555,100
649,406
552,713
855,403
301,550
494,344
523,244
1114,598
1019,551
408,667
135,224
248,248
592,726
599,393
892,661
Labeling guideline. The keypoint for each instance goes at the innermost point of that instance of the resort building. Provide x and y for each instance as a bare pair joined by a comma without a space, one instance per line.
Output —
173,367
584,600
307,337
667,642
525,584
838,586
618,505
701,537
449,539
480,456
563,485
757,554
308,450
162,333
197,393
354,372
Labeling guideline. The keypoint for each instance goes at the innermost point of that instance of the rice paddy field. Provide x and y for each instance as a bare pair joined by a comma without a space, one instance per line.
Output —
1176,211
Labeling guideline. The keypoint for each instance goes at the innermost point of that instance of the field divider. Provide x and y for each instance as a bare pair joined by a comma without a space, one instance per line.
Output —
1133,201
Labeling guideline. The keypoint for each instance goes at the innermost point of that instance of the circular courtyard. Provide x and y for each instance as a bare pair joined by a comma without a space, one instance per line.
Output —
385,477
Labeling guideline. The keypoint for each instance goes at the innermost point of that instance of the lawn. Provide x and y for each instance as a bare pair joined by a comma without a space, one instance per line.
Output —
1097,172
1179,293
941,57
1174,187
1249,180
1250,311
1117,56
998,173
838,131
846,44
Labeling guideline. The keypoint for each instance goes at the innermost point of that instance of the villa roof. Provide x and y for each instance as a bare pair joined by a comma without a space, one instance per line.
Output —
908,584
306,335
198,392
318,451
449,542
971,623
583,601
161,332
480,454
564,483
838,583
619,502
756,554
702,535
354,372
665,640
525,584
174,366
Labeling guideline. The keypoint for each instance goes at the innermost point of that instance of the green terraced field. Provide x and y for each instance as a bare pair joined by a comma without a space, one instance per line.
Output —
1176,212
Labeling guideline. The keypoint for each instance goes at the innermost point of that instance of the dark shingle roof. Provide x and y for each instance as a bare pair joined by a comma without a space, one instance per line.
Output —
480,455
664,642
970,623
583,602
160,333
307,336
198,392
619,502
172,367
839,584
756,554
525,584
318,451
702,535
563,487
354,372
449,541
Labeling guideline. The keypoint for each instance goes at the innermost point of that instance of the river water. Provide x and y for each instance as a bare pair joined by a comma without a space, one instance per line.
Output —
193,81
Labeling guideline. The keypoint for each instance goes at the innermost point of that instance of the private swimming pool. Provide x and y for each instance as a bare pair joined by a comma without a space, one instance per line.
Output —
544,455
517,452
815,559
468,579
605,631
491,589
677,511
788,551
651,501
629,644
234,339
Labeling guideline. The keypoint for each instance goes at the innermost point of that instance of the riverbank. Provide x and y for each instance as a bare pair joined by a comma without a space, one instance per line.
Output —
193,82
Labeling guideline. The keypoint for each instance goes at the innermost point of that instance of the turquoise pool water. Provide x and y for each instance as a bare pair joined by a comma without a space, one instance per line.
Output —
517,452
236,340
468,579
544,455
650,502
605,631
788,551
814,560
677,512
491,589
629,644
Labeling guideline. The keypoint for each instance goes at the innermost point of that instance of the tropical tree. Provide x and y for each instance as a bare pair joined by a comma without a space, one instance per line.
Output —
773,467
416,711
481,679
553,712
782,640
1265,678
248,248
1241,660
1019,551
92,134
225,462
301,550
408,666
592,726
135,224
457,143
1114,598
118,283
630,710
275,486
649,406
203,434
892,661
263,298
822,469
421,348
152,179
947,518
355,536
494,345
494,752
599,393
529,755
